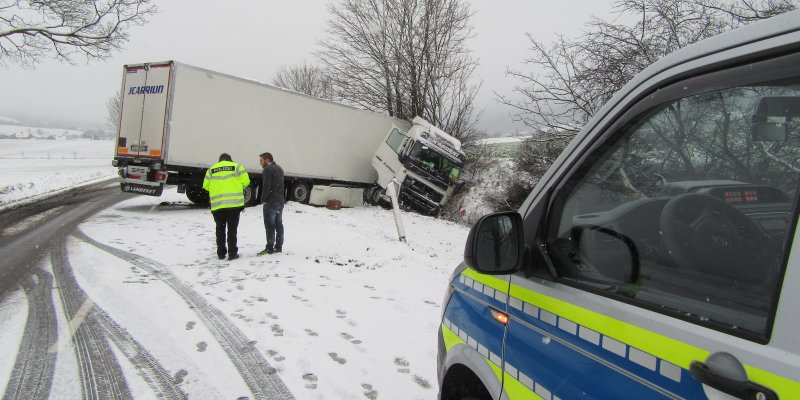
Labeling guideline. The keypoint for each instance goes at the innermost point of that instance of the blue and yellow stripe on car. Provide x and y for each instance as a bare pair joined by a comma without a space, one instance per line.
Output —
653,363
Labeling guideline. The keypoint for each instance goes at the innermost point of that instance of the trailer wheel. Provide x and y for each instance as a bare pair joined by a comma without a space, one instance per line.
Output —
299,192
251,195
197,195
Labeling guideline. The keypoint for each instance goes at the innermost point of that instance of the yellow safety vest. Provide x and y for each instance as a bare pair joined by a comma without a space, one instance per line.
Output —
225,182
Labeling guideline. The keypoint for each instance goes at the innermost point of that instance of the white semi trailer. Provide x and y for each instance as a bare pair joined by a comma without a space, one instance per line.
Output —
176,119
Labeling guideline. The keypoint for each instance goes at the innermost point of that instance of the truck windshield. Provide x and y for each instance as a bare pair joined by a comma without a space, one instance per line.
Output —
433,162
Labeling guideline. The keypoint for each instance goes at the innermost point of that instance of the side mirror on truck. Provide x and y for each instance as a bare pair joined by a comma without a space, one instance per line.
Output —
772,116
495,244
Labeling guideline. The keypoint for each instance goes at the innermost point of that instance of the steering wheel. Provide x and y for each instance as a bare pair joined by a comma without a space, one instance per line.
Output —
703,233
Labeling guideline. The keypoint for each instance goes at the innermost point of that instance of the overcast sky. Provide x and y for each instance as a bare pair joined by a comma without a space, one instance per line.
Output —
252,39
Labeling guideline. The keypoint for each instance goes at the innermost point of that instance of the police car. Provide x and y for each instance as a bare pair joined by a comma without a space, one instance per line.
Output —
653,260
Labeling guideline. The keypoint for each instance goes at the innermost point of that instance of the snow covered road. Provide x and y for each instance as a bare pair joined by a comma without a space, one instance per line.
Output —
347,311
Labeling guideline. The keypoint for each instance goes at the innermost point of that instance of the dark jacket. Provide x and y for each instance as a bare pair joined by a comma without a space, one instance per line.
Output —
272,184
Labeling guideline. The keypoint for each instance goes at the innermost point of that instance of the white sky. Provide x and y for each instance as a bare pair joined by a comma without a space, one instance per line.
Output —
252,39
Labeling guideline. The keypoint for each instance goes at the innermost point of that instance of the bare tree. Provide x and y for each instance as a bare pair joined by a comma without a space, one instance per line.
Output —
114,111
308,79
64,29
571,79
404,57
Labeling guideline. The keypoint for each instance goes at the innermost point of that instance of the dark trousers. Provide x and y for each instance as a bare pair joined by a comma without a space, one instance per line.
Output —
273,223
227,217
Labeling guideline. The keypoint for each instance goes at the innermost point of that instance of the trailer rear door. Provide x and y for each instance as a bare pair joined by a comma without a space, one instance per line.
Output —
143,111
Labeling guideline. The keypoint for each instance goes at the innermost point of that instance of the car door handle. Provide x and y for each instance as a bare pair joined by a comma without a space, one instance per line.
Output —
741,389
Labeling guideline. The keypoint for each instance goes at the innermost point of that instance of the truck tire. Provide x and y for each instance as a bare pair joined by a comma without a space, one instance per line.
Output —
251,195
375,196
300,192
197,195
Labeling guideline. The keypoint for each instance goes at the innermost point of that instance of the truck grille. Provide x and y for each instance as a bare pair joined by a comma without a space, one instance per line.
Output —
419,196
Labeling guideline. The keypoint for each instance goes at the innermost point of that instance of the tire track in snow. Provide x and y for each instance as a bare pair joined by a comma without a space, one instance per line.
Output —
100,373
158,378
259,376
151,371
32,376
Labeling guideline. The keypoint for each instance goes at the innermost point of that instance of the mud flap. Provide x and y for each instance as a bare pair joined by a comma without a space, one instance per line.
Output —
150,190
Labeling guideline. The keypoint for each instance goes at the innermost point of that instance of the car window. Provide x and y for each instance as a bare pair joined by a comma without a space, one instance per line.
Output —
396,140
688,208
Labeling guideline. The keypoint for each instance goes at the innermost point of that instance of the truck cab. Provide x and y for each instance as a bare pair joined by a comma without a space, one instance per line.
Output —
424,160
654,259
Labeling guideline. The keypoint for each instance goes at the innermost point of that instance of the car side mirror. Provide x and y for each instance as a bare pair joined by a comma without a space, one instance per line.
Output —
771,118
495,244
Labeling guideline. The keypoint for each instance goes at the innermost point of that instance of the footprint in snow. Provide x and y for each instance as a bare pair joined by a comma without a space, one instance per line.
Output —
178,379
249,346
422,382
311,332
201,347
341,314
272,316
371,393
311,379
275,355
335,357
190,325
296,297
277,330
403,364
349,337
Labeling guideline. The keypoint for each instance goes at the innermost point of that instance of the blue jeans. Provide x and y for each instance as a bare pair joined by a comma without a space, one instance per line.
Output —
273,223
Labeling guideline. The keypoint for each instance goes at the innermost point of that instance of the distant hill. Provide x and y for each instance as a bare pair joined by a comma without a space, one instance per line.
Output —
15,131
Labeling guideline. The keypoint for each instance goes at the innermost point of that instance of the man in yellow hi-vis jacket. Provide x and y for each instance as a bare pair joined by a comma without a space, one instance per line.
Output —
225,182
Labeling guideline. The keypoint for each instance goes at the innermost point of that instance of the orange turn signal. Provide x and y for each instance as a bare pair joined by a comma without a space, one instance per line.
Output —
499,316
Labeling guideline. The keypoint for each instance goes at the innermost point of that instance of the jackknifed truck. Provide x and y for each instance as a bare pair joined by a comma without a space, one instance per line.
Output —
176,119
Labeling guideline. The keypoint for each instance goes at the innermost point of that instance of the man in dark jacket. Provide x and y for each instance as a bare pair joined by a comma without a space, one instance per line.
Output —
272,197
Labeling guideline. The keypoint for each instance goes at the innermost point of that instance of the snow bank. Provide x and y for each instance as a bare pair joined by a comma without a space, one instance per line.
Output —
34,168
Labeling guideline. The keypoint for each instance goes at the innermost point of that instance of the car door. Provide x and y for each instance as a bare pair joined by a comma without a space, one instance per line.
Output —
635,289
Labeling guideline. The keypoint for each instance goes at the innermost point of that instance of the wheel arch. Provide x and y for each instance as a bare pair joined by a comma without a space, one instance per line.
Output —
467,371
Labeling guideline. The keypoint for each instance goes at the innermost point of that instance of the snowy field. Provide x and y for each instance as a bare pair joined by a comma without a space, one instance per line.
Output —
346,312
31,168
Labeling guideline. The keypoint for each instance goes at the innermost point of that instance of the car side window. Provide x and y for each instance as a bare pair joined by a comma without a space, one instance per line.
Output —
688,207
